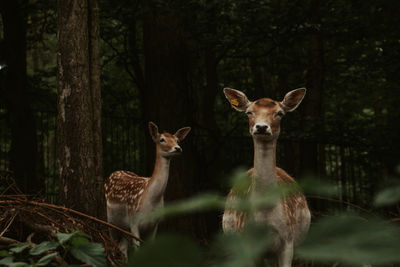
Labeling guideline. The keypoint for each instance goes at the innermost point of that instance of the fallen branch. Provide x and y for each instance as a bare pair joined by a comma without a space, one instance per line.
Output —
29,238
71,211
8,225
7,240
41,228
340,201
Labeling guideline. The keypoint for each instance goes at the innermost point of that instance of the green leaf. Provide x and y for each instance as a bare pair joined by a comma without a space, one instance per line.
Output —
64,237
90,253
45,260
167,250
4,253
352,240
240,181
318,187
43,247
82,234
8,261
194,204
19,247
241,249
388,196
77,241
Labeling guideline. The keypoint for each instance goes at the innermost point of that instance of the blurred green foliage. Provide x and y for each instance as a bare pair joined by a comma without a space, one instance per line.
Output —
339,239
388,196
167,250
351,239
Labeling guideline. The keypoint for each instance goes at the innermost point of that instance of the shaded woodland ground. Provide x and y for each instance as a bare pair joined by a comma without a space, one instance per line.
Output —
90,76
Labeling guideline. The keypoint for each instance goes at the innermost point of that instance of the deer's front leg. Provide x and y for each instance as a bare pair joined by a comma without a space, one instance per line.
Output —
286,255
135,231
153,233
123,245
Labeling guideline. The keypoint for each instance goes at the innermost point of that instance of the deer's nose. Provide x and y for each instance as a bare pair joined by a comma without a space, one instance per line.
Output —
261,128
177,149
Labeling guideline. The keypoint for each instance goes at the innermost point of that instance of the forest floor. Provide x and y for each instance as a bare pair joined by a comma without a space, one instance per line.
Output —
28,219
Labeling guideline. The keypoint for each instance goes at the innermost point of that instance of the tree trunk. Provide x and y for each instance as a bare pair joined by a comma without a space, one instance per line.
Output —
79,107
312,106
17,99
208,146
168,101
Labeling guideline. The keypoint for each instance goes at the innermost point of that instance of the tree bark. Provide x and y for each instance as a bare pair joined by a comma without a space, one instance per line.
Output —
79,107
23,160
168,100
312,106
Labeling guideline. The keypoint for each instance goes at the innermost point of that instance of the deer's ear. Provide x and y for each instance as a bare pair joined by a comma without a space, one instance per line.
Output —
181,133
293,99
237,99
153,129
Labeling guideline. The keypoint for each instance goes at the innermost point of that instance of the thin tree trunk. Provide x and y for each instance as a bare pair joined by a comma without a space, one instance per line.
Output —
312,106
95,93
168,101
209,152
343,173
79,107
21,119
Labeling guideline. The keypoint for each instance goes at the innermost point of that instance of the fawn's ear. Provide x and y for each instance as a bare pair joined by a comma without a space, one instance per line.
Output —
237,99
293,99
153,129
182,132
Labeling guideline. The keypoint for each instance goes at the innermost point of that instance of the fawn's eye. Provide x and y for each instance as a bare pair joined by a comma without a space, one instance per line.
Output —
249,113
162,140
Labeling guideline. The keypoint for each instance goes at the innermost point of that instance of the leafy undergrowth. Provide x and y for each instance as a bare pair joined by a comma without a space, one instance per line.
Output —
72,248
339,239
26,223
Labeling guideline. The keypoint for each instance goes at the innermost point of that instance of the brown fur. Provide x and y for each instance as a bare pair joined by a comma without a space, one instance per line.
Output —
265,102
262,105
290,217
130,196
125,187
290,203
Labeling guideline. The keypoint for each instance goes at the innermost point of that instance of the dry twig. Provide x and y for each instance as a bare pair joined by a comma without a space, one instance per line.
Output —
71,211
8,225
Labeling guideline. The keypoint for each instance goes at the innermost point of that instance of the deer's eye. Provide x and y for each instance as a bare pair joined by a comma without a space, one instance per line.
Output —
249,113
162,140
279,114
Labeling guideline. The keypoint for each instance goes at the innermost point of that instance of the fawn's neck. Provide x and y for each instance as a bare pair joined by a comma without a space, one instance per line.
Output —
264,164
159,178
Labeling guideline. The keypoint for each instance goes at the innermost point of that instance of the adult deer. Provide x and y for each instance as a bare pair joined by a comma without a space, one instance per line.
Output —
290,218
130,197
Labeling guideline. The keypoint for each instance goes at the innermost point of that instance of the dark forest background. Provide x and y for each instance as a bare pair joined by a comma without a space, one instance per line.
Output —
167,62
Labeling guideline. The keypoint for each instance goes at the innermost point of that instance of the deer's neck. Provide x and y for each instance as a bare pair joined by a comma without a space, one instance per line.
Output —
264,164
159,178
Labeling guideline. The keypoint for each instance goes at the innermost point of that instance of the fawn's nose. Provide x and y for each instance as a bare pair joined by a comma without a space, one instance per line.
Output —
177,149
261,128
